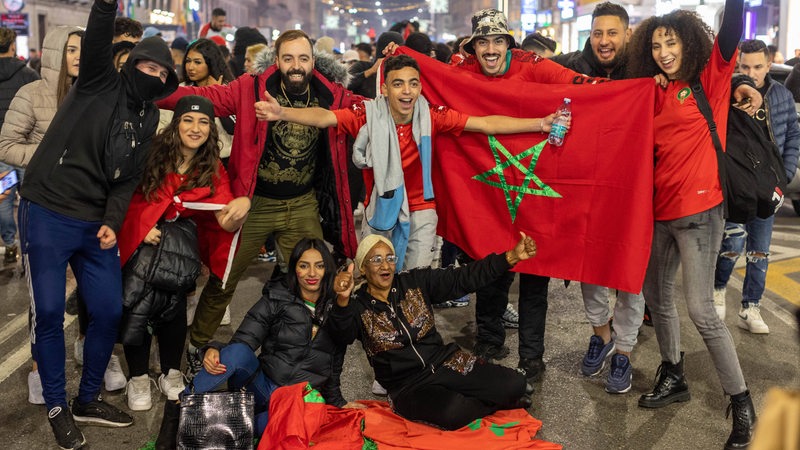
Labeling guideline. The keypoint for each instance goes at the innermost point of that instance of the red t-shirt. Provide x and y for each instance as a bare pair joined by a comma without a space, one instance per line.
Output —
443,120
686,174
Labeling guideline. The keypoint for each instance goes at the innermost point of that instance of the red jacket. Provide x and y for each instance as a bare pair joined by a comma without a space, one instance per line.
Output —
249,138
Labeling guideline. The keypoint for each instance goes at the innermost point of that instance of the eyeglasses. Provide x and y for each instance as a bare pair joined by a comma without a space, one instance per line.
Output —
377,260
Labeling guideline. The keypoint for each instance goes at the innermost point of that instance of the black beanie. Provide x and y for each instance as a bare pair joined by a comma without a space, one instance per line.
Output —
194,103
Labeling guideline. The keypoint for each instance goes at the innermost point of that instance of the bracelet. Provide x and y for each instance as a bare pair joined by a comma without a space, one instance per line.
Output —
541,125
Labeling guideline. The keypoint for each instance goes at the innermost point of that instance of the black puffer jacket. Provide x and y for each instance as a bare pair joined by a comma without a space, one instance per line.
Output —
400,337
280,324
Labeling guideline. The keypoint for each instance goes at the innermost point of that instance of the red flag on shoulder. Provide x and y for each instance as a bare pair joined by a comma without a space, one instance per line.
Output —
588,204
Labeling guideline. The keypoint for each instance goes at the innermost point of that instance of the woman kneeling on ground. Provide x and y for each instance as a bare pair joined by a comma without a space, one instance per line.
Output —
289,324
391,314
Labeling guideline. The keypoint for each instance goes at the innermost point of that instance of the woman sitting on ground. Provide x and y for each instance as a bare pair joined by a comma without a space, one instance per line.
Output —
289,325
391,315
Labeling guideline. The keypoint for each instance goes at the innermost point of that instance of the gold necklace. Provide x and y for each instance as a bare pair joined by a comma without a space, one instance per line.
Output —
308,96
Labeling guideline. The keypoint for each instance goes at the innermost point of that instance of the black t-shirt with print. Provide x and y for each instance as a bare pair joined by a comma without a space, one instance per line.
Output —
290,155
761,113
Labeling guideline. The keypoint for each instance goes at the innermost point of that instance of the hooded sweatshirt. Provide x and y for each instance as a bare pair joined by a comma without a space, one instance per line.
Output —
90,161
13,75
34,106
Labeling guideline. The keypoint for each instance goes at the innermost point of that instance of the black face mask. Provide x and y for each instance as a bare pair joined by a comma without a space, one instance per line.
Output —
147,86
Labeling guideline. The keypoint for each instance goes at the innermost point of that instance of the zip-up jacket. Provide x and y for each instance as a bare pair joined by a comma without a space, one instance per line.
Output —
782,123
13,75
280,325
92,132
400,336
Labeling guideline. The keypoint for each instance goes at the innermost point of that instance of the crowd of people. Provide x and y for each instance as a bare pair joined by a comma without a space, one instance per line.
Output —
211,153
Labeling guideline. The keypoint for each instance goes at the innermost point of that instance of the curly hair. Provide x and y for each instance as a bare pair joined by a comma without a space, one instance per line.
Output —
214,59
697,39
165,157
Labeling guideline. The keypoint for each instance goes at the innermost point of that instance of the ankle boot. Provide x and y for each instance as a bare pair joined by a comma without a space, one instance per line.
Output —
670,387
744,420
168,434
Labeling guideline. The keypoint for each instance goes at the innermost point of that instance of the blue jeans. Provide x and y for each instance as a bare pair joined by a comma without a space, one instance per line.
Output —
692,243
240,363
756,234
8,227
50,241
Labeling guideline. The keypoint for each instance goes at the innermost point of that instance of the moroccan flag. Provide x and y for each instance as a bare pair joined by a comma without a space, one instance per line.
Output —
588,204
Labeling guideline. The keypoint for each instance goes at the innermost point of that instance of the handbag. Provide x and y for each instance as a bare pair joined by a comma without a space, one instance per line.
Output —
217,420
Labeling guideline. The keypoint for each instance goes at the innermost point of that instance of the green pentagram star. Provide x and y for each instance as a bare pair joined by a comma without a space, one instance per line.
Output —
525,188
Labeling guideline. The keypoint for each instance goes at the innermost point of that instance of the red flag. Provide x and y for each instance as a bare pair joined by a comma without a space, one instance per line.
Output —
588,204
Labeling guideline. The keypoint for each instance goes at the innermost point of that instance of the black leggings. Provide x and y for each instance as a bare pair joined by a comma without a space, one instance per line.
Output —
171,341
449,400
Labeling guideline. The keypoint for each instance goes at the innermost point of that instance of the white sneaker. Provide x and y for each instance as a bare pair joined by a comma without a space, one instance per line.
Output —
35,388
750,320
377,389
191,307
78,350
226,319
138,391
719,303
171,384
114,378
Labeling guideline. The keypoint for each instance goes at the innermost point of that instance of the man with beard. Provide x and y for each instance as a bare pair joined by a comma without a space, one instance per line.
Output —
74,197
492,52
293,173
215,26
604,56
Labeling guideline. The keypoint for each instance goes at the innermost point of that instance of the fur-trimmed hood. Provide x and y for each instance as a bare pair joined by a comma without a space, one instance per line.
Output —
324,63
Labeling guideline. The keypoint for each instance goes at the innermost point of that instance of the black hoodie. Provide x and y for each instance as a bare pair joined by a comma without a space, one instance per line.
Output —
87,165
13,75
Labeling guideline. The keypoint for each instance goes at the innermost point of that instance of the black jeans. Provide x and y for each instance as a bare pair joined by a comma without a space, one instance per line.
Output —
491,302
449,400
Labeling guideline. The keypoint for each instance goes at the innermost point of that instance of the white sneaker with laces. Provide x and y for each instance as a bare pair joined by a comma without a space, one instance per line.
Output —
138,392
377,389
114,378
750,320
719,303
78,350
171,384
226,319
35,396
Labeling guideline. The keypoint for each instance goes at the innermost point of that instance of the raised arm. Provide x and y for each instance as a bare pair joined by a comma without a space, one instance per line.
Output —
492,125
270,110
730,30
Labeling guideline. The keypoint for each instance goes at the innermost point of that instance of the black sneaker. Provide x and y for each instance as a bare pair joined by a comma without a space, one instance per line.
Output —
67,435
11,254
488,351
98,412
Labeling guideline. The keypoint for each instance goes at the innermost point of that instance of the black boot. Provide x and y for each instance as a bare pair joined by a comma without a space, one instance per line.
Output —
744,420
168,434
671,386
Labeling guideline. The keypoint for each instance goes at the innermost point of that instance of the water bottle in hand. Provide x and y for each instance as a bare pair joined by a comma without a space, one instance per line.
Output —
559,128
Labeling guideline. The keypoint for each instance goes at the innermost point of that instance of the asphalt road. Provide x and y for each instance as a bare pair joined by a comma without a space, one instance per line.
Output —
575,410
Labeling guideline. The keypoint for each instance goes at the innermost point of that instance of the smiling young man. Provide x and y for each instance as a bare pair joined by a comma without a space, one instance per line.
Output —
402,125
604,56
778,120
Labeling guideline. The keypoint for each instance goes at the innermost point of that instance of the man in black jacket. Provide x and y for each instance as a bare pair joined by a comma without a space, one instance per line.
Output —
13,75
604,56
75,195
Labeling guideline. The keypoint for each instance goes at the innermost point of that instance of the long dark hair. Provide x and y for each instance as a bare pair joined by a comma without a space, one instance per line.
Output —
214,60
697,39
165,157
64,79
326,286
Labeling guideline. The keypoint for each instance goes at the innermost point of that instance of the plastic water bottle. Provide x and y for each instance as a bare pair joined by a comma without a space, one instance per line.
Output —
559,128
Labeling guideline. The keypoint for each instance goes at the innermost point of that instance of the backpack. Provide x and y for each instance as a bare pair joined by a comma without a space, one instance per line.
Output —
751,170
